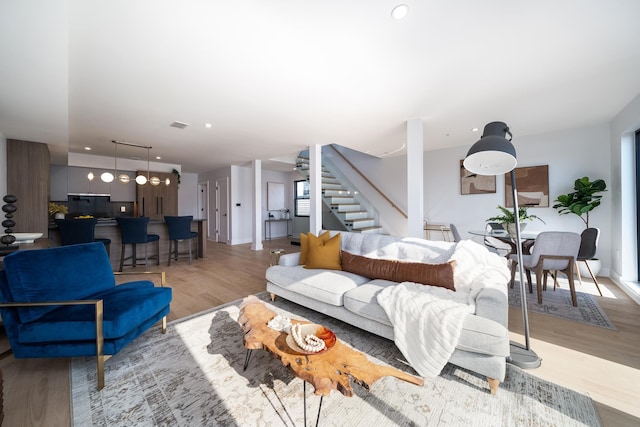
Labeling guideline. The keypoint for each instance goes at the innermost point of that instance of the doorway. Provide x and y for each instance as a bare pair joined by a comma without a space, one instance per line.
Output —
222,210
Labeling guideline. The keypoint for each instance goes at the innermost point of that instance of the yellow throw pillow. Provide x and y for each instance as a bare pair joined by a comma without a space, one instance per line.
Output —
324,254
304,244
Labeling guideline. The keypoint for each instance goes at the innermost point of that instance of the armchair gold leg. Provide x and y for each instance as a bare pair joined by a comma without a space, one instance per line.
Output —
100,344
164,325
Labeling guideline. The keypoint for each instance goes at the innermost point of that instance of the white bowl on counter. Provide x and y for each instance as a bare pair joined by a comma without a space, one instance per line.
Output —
26,237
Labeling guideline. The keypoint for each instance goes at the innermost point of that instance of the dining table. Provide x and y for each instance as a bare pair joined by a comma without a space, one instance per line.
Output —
527,238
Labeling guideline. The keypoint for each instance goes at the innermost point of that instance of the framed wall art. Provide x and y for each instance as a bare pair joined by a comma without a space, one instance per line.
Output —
532,183
471,183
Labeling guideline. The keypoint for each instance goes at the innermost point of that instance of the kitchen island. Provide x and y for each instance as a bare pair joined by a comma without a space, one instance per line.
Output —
109,230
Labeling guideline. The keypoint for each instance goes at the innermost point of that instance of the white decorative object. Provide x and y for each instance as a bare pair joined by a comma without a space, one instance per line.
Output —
308,342
26,237
58,215
280,323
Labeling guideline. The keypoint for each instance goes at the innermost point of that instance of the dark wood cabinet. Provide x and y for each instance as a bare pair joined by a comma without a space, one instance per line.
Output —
28,179
156,201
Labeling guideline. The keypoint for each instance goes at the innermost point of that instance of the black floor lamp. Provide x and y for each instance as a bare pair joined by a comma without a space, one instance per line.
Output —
493,154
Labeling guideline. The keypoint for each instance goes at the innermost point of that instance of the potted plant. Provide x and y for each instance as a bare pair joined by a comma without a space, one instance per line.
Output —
580,202
57,211
583,200
507,219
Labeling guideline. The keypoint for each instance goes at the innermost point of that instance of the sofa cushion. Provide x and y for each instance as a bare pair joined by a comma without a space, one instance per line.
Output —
125,307
400,271
327,286
484,336
363,301
57,274
324,254
304,244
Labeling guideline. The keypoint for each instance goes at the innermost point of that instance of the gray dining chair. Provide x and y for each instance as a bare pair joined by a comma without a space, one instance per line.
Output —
455,233
588,246
552,251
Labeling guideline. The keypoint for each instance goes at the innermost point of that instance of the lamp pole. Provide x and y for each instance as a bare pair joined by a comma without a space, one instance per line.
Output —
522,357
494,155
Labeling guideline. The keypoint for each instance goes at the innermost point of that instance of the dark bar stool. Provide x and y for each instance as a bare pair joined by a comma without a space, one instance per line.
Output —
133,231
180,229
81,230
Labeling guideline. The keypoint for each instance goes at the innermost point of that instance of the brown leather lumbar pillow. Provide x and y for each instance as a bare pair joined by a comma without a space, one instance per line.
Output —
400,271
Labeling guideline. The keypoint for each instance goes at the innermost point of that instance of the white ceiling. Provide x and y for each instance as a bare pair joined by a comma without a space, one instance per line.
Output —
274,76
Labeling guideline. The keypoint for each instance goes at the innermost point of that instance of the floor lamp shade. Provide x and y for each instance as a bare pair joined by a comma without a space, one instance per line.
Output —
493,154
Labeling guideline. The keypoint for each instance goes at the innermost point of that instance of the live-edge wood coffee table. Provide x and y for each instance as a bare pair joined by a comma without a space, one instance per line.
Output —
331,370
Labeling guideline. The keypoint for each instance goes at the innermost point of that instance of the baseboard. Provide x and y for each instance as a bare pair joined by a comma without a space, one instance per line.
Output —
631,289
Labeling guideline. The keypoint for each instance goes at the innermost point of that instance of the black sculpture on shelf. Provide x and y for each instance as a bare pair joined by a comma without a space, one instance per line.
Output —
7,239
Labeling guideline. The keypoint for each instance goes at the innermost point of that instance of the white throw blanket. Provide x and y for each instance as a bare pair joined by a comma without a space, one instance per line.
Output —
426,326
427,320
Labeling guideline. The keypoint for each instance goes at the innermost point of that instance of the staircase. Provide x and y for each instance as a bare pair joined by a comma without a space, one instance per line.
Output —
344,201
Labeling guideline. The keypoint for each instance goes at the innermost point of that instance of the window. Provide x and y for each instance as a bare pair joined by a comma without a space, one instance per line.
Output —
302,201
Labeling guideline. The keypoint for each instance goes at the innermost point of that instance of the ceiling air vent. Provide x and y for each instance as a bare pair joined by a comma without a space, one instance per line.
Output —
179,125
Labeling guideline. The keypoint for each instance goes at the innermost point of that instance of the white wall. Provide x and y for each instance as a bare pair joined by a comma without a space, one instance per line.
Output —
278,229
570,155
623,192
241,205
3,166
188,195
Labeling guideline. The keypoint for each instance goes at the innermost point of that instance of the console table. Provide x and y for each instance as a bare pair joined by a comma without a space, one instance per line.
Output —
267,226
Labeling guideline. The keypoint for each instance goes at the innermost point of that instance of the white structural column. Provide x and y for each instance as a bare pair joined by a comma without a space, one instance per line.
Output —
256,244
315,188
415,178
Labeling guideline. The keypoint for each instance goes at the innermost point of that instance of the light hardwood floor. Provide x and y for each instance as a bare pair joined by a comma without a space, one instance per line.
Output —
603,363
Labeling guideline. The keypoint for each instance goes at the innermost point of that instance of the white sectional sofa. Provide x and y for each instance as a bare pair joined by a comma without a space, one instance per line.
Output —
483,343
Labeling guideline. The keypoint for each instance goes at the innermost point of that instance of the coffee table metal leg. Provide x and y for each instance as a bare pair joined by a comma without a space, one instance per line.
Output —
304,400
246,359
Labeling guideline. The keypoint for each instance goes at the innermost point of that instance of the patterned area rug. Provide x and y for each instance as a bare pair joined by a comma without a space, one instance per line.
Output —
193,376
558,303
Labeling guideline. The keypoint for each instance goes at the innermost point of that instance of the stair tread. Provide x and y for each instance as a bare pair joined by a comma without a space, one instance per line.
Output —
372,227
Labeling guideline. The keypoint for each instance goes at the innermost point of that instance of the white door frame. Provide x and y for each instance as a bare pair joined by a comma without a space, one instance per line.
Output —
203,204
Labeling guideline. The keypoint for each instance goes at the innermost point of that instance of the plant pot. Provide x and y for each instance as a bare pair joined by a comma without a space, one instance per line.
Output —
594,263
511,228
58,215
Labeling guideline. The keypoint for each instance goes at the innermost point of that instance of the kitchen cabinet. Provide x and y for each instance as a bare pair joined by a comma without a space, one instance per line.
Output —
156,201
74,180
121,192
59,183
28,179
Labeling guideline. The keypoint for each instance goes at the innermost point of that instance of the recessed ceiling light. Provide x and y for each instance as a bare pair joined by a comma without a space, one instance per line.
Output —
475,130
400,11
87,148
158,158
207,125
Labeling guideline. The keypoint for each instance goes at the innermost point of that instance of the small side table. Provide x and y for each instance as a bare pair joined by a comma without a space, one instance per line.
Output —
267,226
274,256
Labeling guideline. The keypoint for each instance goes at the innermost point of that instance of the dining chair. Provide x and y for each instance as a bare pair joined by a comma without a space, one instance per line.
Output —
588,246
133,231
455,233
179,230
74,231
552,251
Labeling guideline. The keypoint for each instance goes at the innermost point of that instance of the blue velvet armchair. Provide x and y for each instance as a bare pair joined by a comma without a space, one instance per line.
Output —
64,302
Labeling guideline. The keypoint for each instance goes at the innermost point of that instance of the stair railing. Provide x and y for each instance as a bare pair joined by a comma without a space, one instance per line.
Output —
373,186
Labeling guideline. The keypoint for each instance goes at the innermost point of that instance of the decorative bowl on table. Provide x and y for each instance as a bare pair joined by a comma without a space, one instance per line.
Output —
310,335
